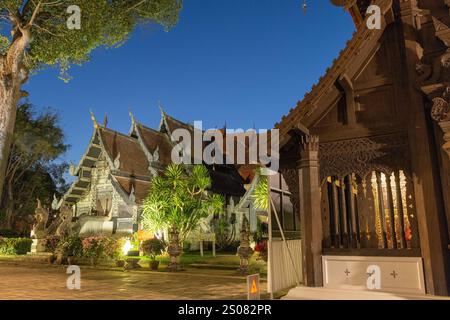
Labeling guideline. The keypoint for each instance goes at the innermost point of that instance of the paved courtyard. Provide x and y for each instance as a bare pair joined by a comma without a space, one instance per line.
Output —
18,281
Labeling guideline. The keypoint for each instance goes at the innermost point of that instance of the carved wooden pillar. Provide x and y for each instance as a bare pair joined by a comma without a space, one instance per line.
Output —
310,212
426,189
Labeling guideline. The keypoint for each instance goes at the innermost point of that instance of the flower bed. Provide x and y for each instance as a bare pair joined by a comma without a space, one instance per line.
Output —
90,249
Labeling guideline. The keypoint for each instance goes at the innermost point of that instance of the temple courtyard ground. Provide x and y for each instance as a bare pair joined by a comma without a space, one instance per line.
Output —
40,281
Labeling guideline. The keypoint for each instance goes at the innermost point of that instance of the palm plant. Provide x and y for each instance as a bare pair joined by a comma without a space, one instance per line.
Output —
177,201
261,193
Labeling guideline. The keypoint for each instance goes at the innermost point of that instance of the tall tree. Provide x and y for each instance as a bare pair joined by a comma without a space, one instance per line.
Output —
31,173
37,33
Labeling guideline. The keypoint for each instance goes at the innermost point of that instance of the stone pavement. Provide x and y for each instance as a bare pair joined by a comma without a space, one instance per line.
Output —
19,281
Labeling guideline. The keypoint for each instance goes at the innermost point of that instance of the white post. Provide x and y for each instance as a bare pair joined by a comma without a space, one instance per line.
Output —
214,248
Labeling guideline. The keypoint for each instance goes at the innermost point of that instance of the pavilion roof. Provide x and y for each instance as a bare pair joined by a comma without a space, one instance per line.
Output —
357,50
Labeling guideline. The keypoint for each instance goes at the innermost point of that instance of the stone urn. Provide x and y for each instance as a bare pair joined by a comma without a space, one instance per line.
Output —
154,265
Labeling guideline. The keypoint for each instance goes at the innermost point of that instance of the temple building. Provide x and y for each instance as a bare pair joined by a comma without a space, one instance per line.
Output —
366,154
114,174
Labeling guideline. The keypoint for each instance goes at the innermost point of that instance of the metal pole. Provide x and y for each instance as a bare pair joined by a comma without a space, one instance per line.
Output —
269,247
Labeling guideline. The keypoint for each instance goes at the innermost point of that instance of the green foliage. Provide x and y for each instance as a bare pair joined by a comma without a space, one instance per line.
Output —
15,246
100,247
153,247
32,171
104,23
261,194
97,247
52,243
37,137
9,233
4,44
179,199
261,232
70,246
224,231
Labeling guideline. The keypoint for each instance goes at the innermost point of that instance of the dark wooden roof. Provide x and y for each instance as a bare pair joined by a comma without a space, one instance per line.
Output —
140,187
169,124
154,140
132,158
133,162
356,52
226,180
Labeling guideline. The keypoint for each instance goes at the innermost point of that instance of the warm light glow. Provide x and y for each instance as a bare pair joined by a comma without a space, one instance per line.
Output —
127,247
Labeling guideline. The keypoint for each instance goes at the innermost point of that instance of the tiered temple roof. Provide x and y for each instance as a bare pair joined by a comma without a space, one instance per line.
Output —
135,158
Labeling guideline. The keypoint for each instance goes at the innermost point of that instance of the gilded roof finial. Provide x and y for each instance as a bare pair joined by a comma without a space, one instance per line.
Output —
163,113
133,120
93,119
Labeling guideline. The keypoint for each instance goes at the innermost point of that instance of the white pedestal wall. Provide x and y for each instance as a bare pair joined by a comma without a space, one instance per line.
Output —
398,274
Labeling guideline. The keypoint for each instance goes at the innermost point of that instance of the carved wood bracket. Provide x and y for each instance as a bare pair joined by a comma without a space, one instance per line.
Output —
435,82
362,156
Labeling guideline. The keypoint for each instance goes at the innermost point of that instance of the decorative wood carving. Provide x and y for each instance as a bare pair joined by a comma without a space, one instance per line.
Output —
441,107
291,178
435,82
364,155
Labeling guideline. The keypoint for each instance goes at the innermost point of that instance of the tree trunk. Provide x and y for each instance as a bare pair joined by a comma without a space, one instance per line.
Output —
7,119
12,75
9,206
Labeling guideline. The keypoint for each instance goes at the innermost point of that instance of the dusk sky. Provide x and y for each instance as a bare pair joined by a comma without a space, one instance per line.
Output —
243,62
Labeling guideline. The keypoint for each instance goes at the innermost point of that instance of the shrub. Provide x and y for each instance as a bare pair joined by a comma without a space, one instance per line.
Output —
9,234
93,247
51,243
153,247
15,246
70,246
112,247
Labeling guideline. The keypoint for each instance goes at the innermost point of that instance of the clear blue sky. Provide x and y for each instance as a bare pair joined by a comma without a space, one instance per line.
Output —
243,62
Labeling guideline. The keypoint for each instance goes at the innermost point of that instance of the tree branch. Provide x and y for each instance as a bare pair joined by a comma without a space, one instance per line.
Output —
35,13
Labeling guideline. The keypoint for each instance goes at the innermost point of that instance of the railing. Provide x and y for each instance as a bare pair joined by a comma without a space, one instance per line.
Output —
285,272
374,212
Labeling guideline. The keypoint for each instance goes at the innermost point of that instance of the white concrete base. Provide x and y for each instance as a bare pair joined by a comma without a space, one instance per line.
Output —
306,293
395,274
38,246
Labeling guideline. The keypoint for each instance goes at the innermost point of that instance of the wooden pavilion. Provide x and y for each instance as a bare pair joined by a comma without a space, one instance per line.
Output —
366,154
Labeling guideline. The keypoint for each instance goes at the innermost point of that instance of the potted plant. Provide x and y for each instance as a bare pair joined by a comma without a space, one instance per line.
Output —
152,248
